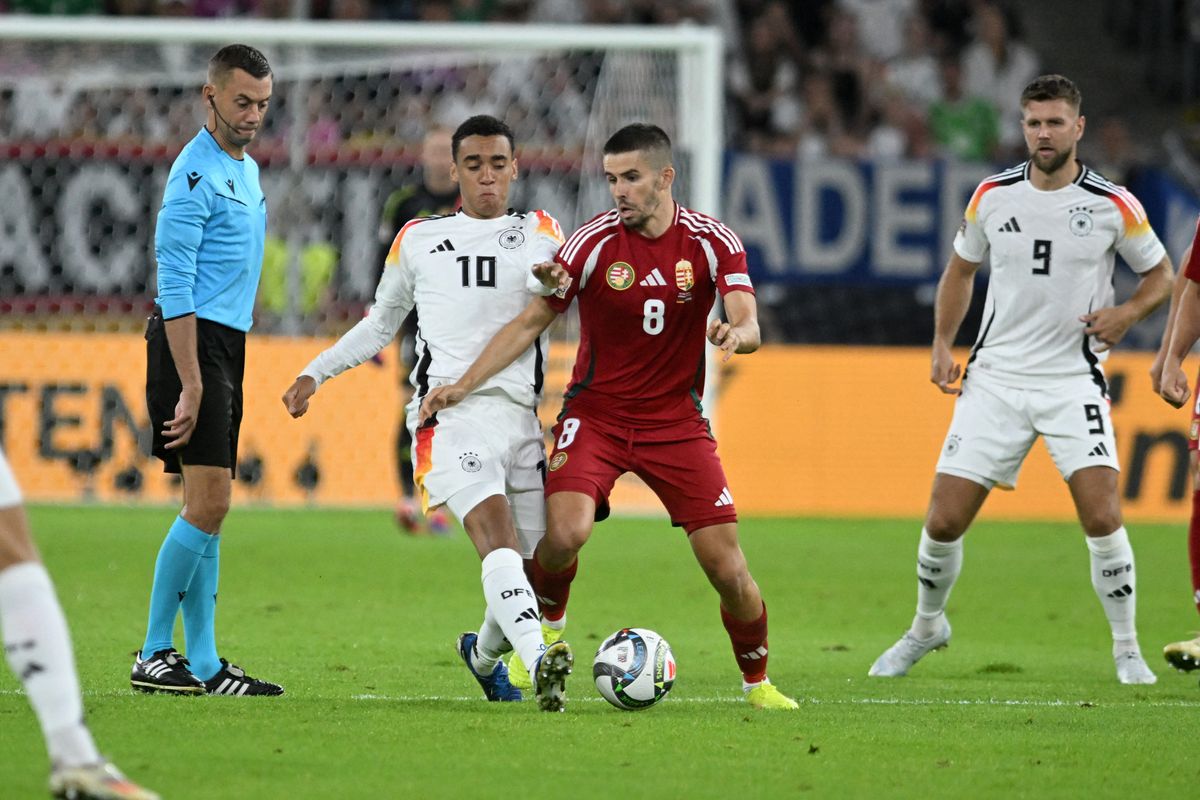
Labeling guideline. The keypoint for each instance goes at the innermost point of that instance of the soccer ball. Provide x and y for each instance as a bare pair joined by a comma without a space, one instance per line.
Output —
634,669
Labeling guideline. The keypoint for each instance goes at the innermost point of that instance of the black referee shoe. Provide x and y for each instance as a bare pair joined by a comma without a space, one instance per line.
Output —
165,671
234,680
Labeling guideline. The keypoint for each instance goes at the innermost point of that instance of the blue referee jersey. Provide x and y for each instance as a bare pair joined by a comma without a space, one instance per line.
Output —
209,240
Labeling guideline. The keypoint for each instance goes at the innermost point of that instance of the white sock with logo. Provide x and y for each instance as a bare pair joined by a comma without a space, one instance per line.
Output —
38,648
511,602
1114,580
938,565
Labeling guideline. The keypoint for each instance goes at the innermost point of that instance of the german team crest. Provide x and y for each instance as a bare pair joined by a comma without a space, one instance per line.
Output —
685,279
512,238
620,276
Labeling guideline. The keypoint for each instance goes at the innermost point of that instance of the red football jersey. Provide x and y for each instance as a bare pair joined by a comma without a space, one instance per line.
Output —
643,308
1192,267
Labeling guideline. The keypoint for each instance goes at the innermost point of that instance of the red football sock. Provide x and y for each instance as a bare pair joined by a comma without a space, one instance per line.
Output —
1194,548
552,588
749,641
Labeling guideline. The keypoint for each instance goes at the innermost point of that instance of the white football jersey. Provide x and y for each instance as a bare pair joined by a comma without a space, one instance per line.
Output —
467,278
1052,256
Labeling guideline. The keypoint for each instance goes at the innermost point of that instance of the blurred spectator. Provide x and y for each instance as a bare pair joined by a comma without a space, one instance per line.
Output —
881,24
823,131
848,71
56,7
763,85
900,131
997,68
324,132
1112,151
948,23
318,263
556,12
962,126
431,190
604,12
915,72
350,10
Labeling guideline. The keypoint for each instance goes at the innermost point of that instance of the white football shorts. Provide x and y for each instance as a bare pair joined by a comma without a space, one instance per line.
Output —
995,425
484,446
10,493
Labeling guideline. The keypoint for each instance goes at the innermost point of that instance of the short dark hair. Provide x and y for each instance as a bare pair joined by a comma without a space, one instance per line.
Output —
237,56
481,125
1052,87
641,136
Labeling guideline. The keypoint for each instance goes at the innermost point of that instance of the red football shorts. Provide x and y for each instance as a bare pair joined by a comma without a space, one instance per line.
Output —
1194,429
678,462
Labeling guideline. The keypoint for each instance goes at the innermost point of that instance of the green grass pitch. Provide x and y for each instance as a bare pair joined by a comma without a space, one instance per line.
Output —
358,622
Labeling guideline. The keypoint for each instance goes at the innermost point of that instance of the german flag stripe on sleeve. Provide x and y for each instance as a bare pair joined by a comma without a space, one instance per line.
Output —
1006,178
548,226
393,256
1132,214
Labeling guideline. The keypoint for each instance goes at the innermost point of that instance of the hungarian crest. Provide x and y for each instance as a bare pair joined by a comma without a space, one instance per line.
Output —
685,279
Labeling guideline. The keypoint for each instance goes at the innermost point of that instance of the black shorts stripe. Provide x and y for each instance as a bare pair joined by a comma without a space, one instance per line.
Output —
539,367
423,366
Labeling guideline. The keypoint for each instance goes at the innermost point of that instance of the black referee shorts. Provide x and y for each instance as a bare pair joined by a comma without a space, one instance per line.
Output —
222,354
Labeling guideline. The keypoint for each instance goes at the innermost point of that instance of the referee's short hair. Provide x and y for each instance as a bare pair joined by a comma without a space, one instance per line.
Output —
237,56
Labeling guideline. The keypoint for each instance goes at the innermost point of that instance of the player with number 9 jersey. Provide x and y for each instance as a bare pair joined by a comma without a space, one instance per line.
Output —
1053,228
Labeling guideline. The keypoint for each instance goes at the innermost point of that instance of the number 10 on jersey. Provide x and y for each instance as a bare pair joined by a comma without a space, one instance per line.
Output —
485,270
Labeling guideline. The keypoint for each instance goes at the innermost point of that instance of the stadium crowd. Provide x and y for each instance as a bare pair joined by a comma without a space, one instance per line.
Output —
876,79
854,78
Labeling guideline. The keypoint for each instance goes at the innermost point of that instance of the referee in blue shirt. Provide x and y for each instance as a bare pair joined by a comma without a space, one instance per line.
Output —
209,247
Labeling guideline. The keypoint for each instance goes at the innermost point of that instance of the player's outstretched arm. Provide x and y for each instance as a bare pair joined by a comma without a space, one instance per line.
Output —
508,343
1109,325
1176,294
954,291
740,334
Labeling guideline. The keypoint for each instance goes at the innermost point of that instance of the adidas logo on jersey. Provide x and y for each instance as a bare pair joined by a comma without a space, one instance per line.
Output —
726,499
1011,226
444,247
655,278
1099,450
1124,591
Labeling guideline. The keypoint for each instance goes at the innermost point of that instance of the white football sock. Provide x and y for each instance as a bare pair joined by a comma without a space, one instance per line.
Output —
38,648
511,602
938,565
490,645
1114,580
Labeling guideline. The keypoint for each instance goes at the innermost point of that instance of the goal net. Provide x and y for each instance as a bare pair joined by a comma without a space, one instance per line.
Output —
92,114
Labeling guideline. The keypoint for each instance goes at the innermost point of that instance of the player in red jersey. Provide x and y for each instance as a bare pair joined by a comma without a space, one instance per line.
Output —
646,275
1183,326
